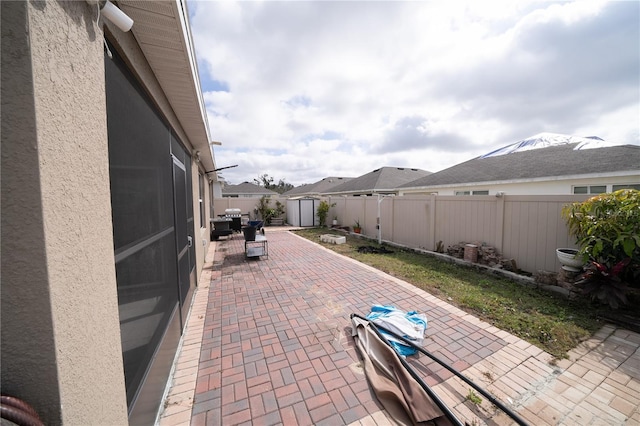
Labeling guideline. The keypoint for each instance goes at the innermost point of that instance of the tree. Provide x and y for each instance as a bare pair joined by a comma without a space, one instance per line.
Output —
264,180
267,181
282,187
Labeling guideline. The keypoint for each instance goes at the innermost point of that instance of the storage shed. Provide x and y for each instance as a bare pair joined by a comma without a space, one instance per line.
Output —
302,211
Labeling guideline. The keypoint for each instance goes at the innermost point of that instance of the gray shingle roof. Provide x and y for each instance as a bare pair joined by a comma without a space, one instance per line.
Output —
246,188
382,179
551,161
317,187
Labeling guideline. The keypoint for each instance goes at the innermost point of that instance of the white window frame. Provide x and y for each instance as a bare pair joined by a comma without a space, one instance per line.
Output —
203,223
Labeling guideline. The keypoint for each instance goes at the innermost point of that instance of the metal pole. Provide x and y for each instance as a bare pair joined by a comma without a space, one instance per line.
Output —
434,397
380,198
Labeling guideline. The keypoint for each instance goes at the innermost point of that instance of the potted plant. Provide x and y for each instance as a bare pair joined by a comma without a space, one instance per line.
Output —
607,230
335,221
356,227
570,259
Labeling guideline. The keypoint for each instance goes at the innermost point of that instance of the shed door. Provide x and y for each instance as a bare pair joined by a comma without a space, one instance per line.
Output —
307,213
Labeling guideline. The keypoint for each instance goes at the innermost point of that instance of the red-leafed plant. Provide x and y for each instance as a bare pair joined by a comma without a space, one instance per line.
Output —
605,284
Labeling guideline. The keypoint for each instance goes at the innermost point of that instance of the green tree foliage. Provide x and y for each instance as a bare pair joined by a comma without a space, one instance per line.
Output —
267,212
322,211
607,229
267,181
264,180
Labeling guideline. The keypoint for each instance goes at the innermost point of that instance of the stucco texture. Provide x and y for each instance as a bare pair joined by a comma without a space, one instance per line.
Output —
67,227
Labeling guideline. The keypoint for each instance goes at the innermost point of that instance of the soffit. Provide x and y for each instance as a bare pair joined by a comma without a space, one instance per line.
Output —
162,32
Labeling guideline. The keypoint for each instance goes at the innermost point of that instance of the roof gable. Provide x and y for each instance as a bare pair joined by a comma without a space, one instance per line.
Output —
319,187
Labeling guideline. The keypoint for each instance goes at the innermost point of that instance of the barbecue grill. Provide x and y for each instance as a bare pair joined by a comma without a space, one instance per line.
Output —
236,218
220,227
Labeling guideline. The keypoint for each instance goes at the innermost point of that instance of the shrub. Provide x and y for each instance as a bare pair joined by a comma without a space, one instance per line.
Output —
322,211
267,212
607,229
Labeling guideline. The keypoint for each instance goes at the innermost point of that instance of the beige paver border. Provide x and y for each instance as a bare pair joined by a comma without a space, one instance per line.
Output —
181,388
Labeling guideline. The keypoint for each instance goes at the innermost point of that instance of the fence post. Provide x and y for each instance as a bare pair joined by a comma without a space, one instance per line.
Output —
393,219
364,213
499,222
432,221
343,221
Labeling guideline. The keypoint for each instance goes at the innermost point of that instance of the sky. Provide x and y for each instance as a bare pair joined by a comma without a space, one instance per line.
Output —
309,89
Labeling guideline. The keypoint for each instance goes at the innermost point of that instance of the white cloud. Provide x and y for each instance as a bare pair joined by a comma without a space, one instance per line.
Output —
320,89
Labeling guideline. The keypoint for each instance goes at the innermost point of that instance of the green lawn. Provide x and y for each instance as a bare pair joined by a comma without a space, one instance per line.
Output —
549,322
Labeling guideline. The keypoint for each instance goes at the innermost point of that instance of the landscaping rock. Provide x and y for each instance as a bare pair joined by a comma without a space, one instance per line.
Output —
456,250
509,265
545,278
567,279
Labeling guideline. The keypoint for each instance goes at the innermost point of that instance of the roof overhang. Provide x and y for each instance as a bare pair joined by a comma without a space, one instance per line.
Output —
162,31
575,177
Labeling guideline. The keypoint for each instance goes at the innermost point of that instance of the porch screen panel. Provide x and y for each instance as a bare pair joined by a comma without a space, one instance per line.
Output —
143,220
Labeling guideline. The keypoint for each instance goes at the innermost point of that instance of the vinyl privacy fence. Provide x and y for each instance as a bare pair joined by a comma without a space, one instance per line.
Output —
527,228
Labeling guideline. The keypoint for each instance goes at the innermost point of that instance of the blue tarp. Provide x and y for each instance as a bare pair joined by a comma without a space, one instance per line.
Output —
410,325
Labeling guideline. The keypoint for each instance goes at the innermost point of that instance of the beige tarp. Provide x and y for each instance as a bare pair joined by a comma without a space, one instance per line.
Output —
400,394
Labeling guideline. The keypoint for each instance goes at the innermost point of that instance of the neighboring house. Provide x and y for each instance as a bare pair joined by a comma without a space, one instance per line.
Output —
247,190
105,153
318,188
545,164
384,180
216,188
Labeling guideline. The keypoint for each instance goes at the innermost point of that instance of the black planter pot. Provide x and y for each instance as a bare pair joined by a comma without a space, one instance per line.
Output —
249,233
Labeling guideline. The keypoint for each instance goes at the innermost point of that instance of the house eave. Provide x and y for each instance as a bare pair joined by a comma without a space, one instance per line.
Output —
162,31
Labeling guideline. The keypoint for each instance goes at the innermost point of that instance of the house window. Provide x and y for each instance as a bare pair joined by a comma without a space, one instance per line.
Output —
617,187
211,198
203,224
591,189
480,192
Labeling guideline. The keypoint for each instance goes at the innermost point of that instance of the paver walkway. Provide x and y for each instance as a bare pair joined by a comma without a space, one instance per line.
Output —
268,342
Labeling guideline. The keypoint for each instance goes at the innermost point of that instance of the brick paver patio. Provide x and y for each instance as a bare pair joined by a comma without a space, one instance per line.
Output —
268,342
